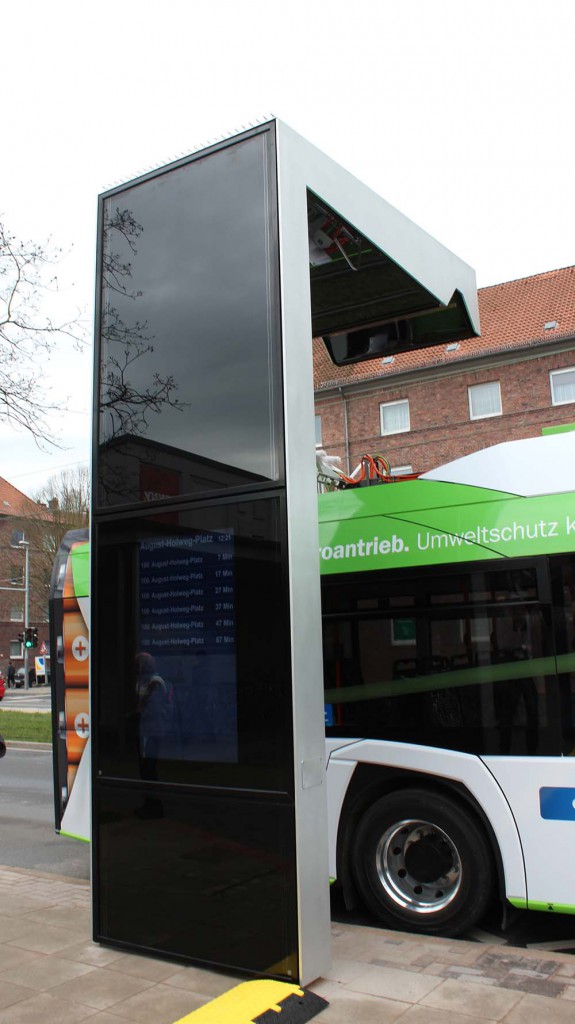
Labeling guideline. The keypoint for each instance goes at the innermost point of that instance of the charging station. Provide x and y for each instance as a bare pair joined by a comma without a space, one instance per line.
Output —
209,821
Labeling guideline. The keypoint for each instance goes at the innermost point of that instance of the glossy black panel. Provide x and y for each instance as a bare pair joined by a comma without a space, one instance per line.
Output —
476,658
563,591
189,393
191,666
211,879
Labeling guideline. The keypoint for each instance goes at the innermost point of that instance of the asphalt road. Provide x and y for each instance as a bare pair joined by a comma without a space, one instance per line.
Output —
38,698
27,836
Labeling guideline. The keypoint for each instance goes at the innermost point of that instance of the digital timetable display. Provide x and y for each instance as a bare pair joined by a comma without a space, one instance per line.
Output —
187,593
186,671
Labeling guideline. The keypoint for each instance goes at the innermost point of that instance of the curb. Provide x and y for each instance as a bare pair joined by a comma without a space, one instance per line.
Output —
26,745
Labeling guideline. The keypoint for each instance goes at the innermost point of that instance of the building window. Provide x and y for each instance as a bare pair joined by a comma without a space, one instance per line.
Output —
318,431
394,417
16,613
562,386
15,649
484,400
17,575
17,536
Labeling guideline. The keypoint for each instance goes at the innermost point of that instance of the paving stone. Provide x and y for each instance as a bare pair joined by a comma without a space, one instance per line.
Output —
393,984
424,1015
462,969
347,1007
568,993
158,1005
535,986
466,997
567,970
539,1008
207,984
11,992
101,989
47,971
45,1008
344,971
44,940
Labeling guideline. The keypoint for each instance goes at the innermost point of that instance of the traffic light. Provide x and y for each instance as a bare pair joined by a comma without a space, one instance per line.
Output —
31,638
21,637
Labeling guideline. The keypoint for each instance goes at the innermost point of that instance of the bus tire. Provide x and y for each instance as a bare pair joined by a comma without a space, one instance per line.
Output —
422,863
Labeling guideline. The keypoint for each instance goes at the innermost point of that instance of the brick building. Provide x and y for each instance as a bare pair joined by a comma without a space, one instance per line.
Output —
17,513
421,409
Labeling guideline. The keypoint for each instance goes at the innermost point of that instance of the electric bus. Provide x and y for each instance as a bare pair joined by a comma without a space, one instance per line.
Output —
449,672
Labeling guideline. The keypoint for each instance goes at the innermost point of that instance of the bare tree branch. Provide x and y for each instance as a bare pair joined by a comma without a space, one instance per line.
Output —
127,404
63,504
27,332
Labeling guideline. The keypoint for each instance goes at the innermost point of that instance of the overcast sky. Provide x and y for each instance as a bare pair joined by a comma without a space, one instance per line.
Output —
459,113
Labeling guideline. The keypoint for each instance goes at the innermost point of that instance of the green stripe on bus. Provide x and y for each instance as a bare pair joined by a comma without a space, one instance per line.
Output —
81,569
72,835
550,908
446,680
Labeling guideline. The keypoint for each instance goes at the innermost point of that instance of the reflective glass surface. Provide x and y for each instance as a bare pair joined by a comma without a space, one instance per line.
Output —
207,878
191,666
189,361
477,658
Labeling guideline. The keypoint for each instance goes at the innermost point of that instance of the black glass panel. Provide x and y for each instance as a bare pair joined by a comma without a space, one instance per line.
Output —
192,680
189,330
563,583
478,659
210,879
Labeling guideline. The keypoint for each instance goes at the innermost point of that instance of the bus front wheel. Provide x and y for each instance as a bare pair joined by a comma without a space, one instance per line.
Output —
422,863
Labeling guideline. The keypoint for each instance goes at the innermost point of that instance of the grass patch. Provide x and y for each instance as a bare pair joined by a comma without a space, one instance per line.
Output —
35,727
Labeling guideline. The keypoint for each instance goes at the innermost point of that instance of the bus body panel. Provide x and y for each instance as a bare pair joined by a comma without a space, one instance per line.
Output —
453,765
422,529
70,643
541,794
339,774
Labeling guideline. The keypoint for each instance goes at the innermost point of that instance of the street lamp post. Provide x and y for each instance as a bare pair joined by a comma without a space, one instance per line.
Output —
26,545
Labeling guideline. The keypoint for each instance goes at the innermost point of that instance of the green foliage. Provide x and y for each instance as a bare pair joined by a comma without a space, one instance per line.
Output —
35,727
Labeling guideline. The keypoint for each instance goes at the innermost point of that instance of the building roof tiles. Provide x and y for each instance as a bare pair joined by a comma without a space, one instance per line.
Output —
14,503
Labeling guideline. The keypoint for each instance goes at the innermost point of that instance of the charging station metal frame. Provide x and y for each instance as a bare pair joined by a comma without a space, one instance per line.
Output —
300,169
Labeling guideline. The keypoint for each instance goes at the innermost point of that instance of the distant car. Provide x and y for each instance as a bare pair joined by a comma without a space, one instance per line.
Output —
2,688
20,677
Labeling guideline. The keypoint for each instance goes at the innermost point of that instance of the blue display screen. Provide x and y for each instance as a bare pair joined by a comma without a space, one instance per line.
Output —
186,664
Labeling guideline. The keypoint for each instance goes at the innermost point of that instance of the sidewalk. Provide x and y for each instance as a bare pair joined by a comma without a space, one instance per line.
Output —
50,971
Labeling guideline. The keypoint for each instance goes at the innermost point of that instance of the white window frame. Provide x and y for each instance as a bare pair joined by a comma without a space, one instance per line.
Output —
396,639
16,613
17,575
483,415
388,405
557,373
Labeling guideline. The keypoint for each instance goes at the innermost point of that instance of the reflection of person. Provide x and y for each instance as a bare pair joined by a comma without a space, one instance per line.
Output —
2,746
154,711
11,675
155,705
